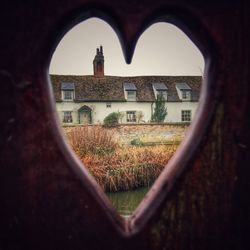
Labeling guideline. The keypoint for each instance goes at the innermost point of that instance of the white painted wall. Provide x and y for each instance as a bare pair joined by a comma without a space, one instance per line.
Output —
174,110
100,111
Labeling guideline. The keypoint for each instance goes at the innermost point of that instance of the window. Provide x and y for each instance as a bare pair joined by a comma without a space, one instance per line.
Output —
131,95
68,95
130,91
131,116
184,91
160,89
67,117
186,115
163,93
108,105
186,94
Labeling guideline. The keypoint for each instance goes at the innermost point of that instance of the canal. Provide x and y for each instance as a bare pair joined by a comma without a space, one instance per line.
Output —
127,201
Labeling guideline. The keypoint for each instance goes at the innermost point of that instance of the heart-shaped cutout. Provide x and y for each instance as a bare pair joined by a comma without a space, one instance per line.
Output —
150,109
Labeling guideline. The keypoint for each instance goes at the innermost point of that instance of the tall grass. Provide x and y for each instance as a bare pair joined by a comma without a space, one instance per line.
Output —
118,168
129,168
91,140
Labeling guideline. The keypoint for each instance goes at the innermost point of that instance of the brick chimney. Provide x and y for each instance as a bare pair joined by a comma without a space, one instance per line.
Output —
98,63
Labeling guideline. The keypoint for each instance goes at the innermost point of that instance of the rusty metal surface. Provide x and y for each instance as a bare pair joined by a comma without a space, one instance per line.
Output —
49,201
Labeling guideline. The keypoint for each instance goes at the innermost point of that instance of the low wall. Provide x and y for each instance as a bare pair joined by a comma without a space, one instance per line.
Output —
146,133
150,133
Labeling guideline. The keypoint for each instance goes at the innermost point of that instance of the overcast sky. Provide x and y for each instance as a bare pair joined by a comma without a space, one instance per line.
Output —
163,49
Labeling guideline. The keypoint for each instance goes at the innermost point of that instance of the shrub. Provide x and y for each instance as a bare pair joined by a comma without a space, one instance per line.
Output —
112,119
91,140
136,142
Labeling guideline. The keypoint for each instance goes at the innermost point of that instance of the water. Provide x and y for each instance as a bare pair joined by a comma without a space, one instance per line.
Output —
126,202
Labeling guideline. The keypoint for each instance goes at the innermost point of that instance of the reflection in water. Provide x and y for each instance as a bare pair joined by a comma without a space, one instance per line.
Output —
126,202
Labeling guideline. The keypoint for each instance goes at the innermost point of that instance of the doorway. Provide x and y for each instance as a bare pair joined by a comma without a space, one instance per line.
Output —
84,114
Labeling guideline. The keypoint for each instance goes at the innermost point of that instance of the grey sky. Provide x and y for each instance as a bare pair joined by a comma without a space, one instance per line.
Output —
163,49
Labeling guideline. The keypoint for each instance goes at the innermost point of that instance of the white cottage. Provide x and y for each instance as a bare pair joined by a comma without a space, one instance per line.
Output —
89,99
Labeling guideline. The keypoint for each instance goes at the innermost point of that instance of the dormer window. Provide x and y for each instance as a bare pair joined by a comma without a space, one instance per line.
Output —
68,95
185,94
163,93
130,91
184,91
68,91
131,95
161,90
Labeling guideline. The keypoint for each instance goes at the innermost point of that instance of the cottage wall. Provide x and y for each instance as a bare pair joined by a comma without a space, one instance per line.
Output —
100,110
174,110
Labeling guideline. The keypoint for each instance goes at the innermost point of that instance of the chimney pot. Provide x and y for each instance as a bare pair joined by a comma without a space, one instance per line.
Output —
98,63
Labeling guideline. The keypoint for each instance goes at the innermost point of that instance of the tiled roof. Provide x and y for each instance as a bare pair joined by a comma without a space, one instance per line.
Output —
110,88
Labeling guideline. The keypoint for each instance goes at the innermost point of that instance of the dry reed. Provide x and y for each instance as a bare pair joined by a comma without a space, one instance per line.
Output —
130,167
91,140
118,168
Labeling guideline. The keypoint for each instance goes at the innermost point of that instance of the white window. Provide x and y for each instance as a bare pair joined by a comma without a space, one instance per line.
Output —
68,95
131,116
131,95
67,117
108,105
186,95
186,115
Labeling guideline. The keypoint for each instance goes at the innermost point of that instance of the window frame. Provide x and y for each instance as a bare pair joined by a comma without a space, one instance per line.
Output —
67,118
131,113
186,95
131,97
71,95
186,115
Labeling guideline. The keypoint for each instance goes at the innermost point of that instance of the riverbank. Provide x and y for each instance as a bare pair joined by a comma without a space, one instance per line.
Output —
120,166
128,167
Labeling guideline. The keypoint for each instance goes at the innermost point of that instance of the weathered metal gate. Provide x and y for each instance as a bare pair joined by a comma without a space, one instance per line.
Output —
47,201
